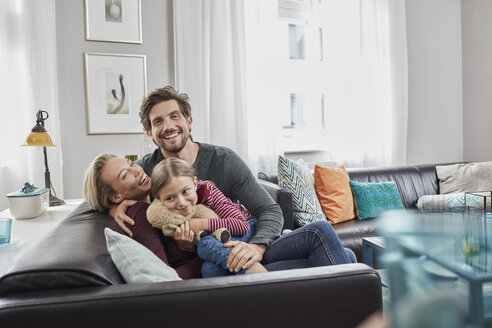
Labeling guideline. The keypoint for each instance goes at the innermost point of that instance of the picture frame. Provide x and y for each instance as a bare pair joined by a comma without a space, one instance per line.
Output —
113,21
115,85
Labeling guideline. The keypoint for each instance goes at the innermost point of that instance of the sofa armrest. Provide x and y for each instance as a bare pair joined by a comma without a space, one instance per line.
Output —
342,295
282,197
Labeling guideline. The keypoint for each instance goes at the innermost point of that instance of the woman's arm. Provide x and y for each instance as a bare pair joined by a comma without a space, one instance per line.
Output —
144,233
231,216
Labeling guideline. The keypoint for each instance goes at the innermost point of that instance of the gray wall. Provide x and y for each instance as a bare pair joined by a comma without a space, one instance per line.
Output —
477,79
78,148
435,111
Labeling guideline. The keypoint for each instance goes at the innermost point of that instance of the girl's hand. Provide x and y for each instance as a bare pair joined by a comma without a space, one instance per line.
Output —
183,236
198,224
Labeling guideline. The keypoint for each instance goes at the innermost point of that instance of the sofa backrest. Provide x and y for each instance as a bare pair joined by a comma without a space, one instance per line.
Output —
74,254
413,181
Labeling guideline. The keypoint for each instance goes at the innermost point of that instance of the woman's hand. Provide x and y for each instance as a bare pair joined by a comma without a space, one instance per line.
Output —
118,213
243,255
198,224
183,236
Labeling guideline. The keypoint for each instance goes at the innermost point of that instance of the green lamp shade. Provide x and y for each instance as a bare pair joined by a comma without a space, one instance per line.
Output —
38,139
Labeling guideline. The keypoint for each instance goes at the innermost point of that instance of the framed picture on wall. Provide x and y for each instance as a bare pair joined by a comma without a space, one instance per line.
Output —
113,21
115,85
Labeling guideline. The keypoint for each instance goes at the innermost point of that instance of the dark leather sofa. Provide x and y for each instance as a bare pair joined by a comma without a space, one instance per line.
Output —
412,182
69,280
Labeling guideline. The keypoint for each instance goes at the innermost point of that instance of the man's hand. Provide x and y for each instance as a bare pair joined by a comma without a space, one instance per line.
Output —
118,213
183,236
243,255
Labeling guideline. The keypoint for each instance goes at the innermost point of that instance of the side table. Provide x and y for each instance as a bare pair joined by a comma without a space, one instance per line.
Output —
372,246
27,232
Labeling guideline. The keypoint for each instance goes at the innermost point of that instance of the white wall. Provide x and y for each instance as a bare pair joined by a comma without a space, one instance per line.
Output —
477,79
435,114
78,148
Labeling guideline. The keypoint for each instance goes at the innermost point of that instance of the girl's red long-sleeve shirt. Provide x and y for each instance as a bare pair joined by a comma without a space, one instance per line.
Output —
233,216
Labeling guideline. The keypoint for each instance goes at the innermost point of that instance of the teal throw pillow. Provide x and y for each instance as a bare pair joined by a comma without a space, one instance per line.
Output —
372,199
135,262
299,180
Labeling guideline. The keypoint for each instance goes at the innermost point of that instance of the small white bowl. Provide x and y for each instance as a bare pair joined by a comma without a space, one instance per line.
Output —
28,205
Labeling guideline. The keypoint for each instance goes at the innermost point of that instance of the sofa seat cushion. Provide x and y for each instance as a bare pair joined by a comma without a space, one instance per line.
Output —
80,260
351,233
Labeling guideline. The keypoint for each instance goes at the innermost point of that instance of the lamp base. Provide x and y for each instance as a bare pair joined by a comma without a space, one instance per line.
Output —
55,201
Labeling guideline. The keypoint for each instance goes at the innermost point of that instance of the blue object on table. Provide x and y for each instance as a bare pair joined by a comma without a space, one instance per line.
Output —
28,187
5,228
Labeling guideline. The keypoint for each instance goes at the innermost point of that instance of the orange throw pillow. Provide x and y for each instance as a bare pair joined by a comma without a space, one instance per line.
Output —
334,193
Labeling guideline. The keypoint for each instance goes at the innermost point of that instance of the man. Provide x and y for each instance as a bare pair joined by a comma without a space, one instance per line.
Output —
166,117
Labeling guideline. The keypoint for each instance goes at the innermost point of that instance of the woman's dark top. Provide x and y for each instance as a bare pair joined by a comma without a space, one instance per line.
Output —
186,263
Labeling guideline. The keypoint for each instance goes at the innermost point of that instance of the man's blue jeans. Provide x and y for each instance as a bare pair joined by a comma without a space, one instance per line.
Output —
315,244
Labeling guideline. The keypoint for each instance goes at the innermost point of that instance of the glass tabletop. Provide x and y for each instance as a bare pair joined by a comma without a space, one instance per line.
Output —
459,240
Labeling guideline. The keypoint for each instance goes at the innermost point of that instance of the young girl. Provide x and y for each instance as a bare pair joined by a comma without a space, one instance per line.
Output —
174,183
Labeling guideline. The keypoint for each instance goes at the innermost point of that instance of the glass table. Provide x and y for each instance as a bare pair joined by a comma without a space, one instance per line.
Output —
432,252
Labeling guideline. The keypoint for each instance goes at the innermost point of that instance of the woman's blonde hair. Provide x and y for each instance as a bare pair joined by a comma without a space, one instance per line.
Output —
96,191
168,169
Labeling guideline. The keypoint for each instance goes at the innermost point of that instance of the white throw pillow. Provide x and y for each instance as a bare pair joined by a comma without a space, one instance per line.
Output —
136,263
464,177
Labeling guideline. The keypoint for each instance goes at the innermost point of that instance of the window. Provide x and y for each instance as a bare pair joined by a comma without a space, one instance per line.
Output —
323,125
296,41
321,56
296,112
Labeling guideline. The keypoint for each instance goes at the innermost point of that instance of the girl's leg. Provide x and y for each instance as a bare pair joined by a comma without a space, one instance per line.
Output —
210,269
315,244
212,250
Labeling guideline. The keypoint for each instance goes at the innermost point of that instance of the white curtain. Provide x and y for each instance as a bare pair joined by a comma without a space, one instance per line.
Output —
28,83
221,65
384,81
227,60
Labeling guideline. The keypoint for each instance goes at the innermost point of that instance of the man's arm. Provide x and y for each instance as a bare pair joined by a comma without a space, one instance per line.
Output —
257,201
270,219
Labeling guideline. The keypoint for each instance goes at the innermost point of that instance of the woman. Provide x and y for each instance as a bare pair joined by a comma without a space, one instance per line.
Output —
109,180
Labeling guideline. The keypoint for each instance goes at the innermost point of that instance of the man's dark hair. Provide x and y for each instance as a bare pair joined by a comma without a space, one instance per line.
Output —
159,95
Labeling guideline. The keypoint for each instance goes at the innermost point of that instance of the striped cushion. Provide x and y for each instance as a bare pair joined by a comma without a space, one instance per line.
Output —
298,179
449,201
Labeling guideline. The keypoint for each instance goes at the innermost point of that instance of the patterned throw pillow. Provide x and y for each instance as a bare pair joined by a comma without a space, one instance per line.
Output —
298,179
450,201
372,199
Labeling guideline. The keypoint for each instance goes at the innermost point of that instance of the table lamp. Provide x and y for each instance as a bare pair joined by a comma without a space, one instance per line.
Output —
40,137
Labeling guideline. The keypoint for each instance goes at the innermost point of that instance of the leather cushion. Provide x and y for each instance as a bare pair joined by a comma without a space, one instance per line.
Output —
65,258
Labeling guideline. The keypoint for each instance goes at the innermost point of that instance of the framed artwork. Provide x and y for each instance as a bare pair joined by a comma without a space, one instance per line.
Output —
115,85
113,21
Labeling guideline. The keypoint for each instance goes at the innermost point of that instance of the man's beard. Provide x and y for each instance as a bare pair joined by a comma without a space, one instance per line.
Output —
175,149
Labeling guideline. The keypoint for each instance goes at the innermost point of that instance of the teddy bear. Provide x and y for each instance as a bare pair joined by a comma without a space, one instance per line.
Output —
161,217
